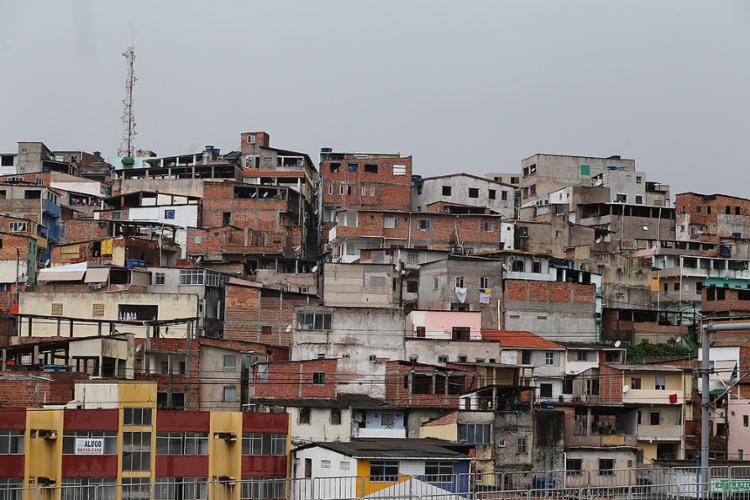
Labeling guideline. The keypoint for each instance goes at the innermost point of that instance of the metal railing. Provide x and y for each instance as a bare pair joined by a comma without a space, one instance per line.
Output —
644,483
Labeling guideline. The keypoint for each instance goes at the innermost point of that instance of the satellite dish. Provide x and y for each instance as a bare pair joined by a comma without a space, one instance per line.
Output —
678,340
645,228
625,388
138,348
288,328
598,240
598,182
505,267
618,343
314,269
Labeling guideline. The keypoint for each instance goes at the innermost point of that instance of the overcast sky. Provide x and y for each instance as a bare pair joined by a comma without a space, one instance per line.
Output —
462,86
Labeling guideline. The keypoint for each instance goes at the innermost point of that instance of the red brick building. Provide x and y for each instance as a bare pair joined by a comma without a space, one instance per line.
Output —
308,379
712,217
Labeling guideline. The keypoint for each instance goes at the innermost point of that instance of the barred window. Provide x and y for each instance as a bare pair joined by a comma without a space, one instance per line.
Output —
475,433
11,488
185,488
135,488
263,488
97,310
80,488
57,309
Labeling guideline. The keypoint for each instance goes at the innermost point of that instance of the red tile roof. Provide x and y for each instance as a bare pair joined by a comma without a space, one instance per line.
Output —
520,339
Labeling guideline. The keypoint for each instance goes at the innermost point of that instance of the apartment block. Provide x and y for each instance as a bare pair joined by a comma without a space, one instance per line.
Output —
461,194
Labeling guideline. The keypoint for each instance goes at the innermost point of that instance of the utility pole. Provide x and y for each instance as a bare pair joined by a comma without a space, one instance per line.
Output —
128,117
18,277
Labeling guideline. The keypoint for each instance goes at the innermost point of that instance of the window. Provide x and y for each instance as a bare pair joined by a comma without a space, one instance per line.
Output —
182,443
654,418
421,332
197,239
525,357
377,281
266,330
666,287
263,443
364,190
11,442
169,214
424,224
461,333
97,310
621,198
136,450
389,223
384,471
676,286
191,276
585,170
313,321
475,433
504,195
740,454
489,227
335,418
744,420
549,358
304,416
136,416
438,472
352,167
341,189
660,383
17,227
638,199
229,394
446,191
638,179
635,382
399,169
57,309
521,445
536,267
230,361
459,281
545,390
698,286
574,466
412,286
159,278
443,358
335,167
473,192
319,378
606,466
484,282
330,188
371,168
435,283
184,488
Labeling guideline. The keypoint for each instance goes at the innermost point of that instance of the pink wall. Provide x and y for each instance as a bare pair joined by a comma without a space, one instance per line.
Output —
439,324
739,435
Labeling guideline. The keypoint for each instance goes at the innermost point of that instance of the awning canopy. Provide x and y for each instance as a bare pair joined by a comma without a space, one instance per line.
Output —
97,275
50,275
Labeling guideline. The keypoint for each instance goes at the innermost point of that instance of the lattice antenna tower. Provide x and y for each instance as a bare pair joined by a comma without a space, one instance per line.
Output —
127,147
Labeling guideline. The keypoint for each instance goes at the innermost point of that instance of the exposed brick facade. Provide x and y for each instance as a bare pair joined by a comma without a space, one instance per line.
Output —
18,389
260,314
549,291
309,379
428,386
366,181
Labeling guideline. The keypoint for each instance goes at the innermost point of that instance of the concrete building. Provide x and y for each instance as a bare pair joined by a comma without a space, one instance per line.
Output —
360,285
118,442
462,284
462,193
545,173
356,230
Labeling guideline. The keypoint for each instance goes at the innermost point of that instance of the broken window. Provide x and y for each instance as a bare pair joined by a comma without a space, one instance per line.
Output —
373,169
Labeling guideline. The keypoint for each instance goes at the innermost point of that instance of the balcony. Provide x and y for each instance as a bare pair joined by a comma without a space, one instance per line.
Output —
662,432
575,436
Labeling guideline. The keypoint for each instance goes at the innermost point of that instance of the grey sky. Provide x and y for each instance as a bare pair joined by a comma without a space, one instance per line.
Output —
463,86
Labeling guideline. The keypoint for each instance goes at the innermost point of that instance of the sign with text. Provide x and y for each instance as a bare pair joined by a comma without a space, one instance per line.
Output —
89,446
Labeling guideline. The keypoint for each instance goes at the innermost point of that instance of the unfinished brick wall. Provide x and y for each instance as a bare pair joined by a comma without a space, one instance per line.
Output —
549,291
362,188
20,391
296,380
85,230
610,384
399,389
260,315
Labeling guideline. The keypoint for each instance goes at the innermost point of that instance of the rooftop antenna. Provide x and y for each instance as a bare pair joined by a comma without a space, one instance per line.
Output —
128,118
